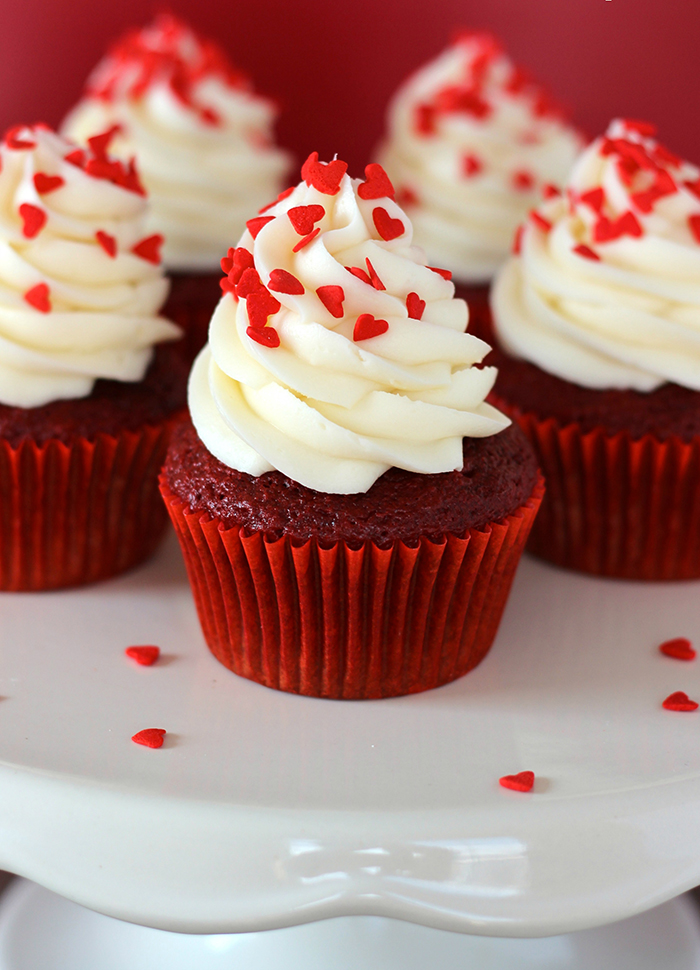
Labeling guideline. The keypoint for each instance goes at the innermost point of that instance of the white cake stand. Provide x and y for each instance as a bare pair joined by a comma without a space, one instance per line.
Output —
265,810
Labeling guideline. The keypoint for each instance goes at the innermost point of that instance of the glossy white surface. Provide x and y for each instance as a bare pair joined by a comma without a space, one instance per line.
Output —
41,930
266,809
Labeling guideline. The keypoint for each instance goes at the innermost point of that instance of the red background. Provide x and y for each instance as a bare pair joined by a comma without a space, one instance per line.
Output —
333,65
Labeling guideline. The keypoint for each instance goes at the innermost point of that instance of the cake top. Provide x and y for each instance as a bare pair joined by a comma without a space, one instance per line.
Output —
604,289
472,142
80,281
201,135
335,352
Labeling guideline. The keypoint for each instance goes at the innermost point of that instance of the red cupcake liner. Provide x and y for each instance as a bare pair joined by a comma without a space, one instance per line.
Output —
615,506
191,302
349,623
73,514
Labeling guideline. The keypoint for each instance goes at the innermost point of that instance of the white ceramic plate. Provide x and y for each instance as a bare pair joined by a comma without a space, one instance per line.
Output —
265,809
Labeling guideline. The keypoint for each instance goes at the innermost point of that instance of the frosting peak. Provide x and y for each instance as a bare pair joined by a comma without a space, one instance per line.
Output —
335,351
472,142
80,281
202,137
605,289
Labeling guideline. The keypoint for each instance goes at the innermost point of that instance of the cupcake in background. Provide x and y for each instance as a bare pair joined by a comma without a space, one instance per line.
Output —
203,141
350,510
90,380
472,144
598,315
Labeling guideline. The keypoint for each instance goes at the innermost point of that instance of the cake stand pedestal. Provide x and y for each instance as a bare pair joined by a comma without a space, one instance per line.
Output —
265,810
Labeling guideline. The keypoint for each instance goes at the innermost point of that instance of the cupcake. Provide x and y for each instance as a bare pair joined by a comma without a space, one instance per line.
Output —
350,510
203,142
472,144
89,387
598,316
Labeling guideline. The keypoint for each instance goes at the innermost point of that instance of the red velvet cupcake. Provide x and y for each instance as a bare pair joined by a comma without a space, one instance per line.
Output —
204,145
86,400
350,510
597,319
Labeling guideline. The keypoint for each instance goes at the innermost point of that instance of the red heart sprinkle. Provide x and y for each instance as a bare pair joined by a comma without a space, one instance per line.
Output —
303,217
594,199
679,649
694,224
249,282
332,296
586,252
523,180
227,286
406,196
47,183
445,273
643,128
76,157
415,306
523,781
387,227
377,184
238,261
267,336
326,178
679,701
359,273
306,240
606,230
150,737
471,165
693,187
425,119
260,305
255,225
38,297
283,282
12,139
550,191
108,243
100,143
145,656
280,197
367,326
374,279
544,224
149,248
34,219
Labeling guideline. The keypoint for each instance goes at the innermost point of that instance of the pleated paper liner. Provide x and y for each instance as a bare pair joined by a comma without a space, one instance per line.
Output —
349,623
615,506
191,303
73,514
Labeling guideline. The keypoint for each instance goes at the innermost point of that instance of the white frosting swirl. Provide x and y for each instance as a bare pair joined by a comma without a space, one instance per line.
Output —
328,407
609,297
203,146
471,143
70,312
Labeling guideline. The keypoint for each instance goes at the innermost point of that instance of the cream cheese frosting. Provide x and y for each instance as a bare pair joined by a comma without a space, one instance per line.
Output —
605,289
201,136
336,353
80,280
471,143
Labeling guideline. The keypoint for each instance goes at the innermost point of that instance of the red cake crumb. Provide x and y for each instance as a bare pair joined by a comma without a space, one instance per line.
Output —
498,476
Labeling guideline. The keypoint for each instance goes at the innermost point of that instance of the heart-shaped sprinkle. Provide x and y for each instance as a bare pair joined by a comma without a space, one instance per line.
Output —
38,297
13,139
283,282
694,187
267,336
407,196
518,240
544,224
367,326
387,227
237,261
306,240
471,165
694,225
583,250
607,230
146,656
359,273
594,199
326,178
679,648
248,283
550,191
523,781
255,225
33,218
523,180
679,701
415,306
260,305
303,217
44,183
108,243
445,273
150,737
332,296
100,143
280,197
373,277
76,157
149,248
377,184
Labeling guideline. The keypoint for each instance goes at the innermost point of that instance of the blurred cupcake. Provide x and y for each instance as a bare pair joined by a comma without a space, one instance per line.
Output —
472,144
350,510
599,318
204,146
87,399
